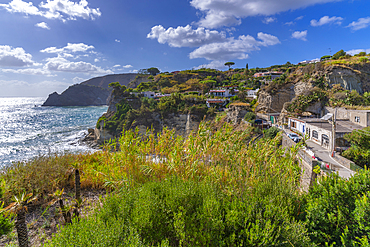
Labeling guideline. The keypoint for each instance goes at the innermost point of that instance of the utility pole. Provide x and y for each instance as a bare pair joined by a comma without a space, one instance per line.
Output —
334,123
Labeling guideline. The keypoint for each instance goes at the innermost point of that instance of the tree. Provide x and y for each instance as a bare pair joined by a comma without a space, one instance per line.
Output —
153,71
326,57
19,207
229,64
339,54
359,152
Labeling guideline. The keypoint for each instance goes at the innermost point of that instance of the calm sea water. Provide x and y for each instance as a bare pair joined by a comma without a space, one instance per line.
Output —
27,129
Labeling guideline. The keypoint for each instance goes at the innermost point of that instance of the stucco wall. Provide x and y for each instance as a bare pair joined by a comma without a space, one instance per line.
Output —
320,132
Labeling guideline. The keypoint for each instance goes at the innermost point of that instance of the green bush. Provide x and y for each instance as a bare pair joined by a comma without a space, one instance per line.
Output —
271,132
338,210
364,59
5,223
174,212
249,116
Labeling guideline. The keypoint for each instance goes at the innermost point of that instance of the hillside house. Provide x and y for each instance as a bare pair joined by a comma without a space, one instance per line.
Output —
320,130
216,102
252,93
223,92
149,94
273,74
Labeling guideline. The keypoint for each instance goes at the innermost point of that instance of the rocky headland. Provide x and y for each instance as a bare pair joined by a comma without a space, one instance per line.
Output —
93,92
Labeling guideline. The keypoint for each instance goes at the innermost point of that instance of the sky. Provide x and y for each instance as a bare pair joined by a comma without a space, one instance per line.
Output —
47,46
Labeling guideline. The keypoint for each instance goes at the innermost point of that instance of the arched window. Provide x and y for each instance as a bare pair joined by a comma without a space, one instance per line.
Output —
315,134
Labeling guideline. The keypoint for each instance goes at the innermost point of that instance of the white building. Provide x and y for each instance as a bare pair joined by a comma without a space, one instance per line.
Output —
252,93
149,94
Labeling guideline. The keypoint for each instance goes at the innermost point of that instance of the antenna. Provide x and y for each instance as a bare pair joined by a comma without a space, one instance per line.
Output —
330,51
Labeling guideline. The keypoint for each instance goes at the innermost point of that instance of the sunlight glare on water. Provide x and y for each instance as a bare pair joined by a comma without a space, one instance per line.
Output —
27,129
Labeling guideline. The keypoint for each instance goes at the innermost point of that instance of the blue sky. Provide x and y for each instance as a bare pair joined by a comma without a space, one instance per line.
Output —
46,46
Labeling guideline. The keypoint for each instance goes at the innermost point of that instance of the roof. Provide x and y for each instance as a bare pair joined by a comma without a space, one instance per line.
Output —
217,91
343,126
215,101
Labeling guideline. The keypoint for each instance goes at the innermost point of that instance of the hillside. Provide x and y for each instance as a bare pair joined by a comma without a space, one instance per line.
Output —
307,88
92,92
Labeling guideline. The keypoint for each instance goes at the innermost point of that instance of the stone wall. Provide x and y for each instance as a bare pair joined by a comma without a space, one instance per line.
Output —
308,176
343,161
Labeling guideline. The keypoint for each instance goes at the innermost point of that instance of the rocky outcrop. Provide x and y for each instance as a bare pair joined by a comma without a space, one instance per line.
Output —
274,102
302,80
79,95
235,113
91,92
182,124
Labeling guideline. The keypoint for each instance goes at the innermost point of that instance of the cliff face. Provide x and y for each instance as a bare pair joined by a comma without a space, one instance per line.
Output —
91,92
302,80
182,124
79,95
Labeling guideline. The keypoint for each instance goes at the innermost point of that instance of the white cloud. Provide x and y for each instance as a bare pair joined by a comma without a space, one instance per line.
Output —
268,20
185,36
300,35
116,66
60,64
220,65
357,51
54,9
290,23
80,47
18,6
43,25
229,12
327,20
29,71
117,40
22,88
299,18
127,66
360,24
78,80
14,57
234,48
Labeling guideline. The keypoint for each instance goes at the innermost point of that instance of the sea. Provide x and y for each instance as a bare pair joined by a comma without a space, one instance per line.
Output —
28,129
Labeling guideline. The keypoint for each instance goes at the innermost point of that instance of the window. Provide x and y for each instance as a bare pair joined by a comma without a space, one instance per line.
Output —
357,119
315,134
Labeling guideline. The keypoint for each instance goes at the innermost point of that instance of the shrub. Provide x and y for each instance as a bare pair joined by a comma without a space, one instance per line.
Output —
5,223
249,116
190,213
337,210
271,132
364,59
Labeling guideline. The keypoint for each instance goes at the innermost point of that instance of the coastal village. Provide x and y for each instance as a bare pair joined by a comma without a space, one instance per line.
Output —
289,129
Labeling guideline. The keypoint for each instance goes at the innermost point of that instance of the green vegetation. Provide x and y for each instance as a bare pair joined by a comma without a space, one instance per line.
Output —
271,132
337,211
229,64
5,224
250,116
359,152
300,103
214,188
339,54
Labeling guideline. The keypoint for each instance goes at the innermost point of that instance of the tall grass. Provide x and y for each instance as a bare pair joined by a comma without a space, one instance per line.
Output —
224,156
